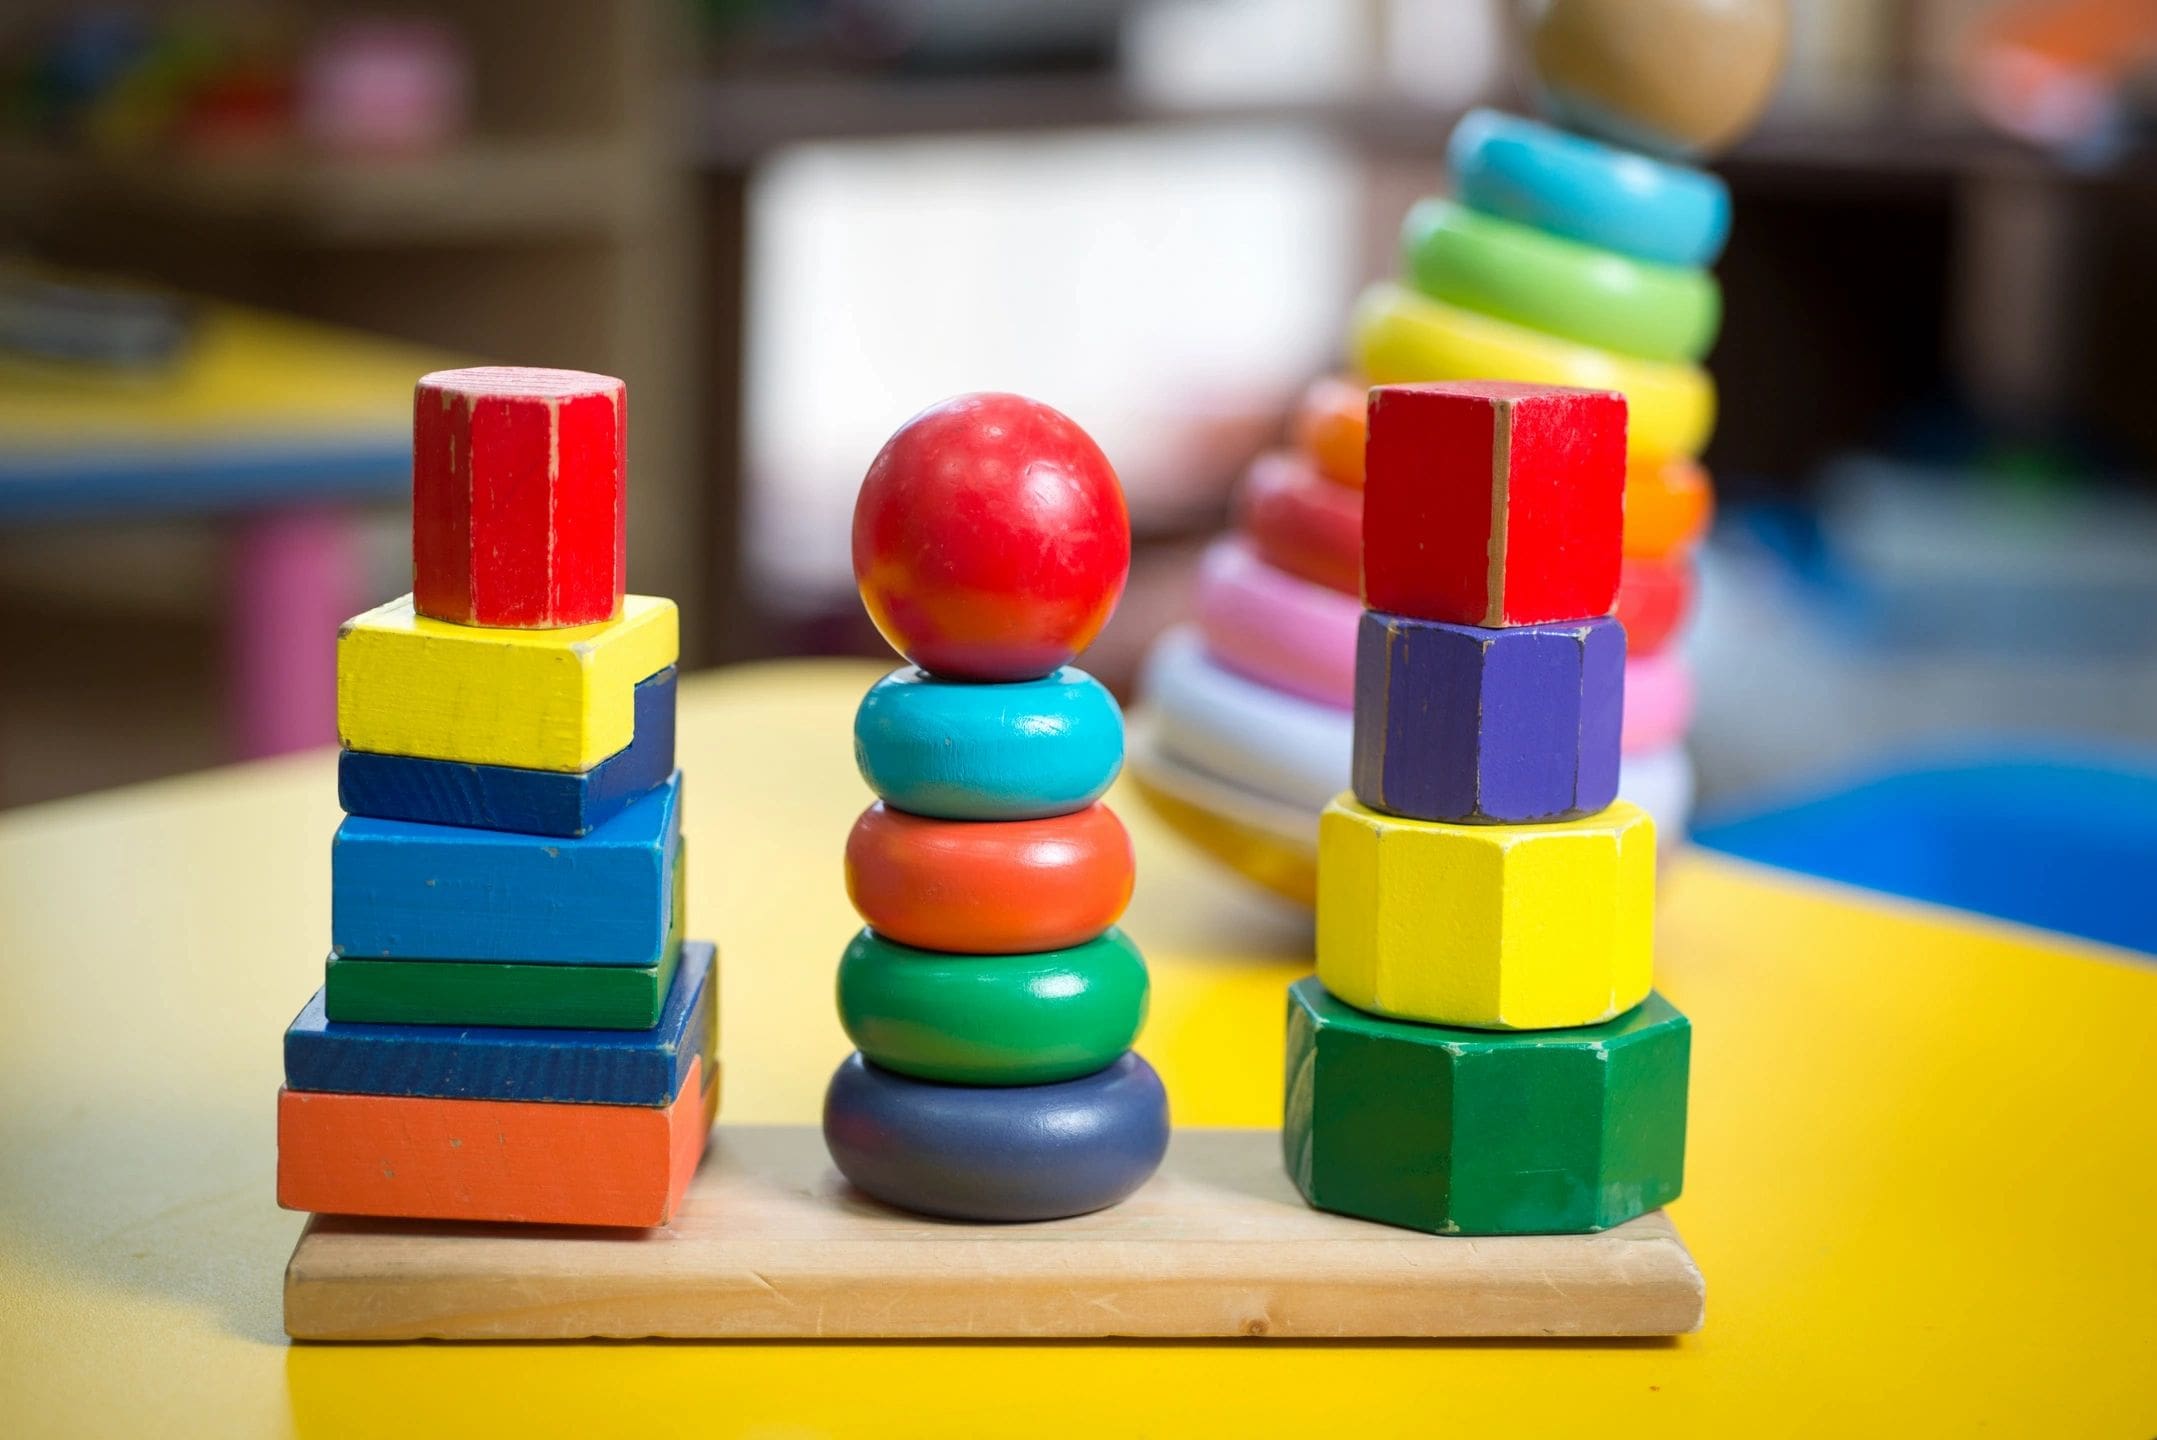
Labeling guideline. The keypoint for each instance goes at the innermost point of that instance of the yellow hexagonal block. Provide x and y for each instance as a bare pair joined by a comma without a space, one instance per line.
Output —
1505,927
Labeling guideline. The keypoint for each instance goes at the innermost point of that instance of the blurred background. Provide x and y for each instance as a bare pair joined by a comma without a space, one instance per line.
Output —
232,234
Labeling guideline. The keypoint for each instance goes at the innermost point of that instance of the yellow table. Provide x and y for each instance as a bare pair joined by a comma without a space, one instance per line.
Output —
1924,1156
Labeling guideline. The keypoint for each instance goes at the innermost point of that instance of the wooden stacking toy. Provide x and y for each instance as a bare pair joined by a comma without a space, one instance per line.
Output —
1575,256
1479,1052
512,1026
992,999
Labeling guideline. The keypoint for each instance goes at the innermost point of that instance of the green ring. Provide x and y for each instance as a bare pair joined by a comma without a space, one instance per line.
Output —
1560,287
993,1019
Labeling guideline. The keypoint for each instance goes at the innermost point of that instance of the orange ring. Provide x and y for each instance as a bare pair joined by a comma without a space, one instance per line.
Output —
989,887
1329,427
1668,504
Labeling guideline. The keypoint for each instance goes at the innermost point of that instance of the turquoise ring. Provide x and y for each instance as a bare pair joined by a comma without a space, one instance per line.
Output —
959,750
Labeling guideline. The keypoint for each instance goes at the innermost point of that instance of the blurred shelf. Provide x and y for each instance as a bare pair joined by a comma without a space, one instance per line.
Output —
483,189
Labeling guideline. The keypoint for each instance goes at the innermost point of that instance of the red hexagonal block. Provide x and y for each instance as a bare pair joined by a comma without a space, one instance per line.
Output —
518,479
1493,504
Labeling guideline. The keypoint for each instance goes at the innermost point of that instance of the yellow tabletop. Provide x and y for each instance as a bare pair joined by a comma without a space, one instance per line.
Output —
1923,1161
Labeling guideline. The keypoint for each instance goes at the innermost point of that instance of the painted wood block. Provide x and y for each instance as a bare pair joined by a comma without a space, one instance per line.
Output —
519,479
522,1161
1580,188
1668,504
1559,286
481,1062
1497,927
993,1019
1328,428
1400,337
772,1243
989,888
963,751
1301,522
533,699
1655,598
1277,629
1476,726
1680,77
1462,1132
1493,504
1271,743
1002,1153
1658,701
502,797
429,892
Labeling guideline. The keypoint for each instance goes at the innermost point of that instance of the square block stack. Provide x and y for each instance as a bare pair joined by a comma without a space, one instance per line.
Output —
512,1027
1479,1052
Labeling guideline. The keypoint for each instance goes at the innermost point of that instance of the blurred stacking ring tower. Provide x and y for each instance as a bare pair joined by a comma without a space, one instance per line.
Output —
1565,257
1480,1052
512,1027
992,999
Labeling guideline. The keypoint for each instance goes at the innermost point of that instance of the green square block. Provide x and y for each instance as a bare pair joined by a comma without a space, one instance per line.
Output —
1482,1132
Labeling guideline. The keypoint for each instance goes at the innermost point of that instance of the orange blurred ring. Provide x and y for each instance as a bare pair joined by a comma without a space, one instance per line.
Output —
1668,504
989,887
1329,427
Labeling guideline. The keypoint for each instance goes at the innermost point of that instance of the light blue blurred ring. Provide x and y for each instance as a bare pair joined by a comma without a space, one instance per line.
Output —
962,751
1587,191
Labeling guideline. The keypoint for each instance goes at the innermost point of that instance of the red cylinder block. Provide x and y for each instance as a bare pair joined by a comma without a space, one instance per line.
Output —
518,479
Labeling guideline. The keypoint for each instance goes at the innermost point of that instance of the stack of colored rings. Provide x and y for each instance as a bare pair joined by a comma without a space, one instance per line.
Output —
992,999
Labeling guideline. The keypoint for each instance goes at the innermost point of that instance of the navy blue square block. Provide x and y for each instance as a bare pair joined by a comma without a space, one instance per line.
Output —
502,797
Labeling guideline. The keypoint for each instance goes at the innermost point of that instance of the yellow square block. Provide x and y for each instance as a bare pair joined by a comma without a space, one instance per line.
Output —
1505,927
536,699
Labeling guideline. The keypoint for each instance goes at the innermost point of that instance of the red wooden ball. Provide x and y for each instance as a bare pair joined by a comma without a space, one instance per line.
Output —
991,540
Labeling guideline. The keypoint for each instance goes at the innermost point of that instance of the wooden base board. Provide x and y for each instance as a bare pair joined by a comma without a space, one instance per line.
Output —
772,1244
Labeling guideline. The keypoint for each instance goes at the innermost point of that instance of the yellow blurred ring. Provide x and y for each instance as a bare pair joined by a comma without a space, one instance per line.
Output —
1399,337
1558,286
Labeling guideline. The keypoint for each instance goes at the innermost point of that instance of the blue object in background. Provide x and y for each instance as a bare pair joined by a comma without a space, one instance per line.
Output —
491,1062
2064,841
502,797
432,892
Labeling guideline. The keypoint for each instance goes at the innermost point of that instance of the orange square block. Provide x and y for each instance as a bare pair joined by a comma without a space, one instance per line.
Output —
420,1158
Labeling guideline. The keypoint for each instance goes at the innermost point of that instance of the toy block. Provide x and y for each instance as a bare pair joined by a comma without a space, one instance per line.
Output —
989,889
532,699
519,479
428,892
1655,597
1498,927
501,797
480,1062
1329,428
1398,336
963,751
1680,77
1268,625
1263,740
1301,522
1474,726
1493,504
1560,287
1668,504
1001,1153
1658,701
992,1019
1462,1132
1585,190
521,1161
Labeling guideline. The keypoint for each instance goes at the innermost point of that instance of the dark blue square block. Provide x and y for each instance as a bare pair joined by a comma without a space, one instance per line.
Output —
1488,727
487,1062
501,797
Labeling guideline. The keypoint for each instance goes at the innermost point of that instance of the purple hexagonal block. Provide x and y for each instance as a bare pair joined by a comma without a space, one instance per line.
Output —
1488,727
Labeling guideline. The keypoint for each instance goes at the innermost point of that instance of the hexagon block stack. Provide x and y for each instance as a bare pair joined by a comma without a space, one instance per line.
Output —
513,1027
1479,1052
992,999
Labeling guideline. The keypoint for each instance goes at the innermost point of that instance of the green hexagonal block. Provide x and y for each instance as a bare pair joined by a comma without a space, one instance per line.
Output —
1479,1132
